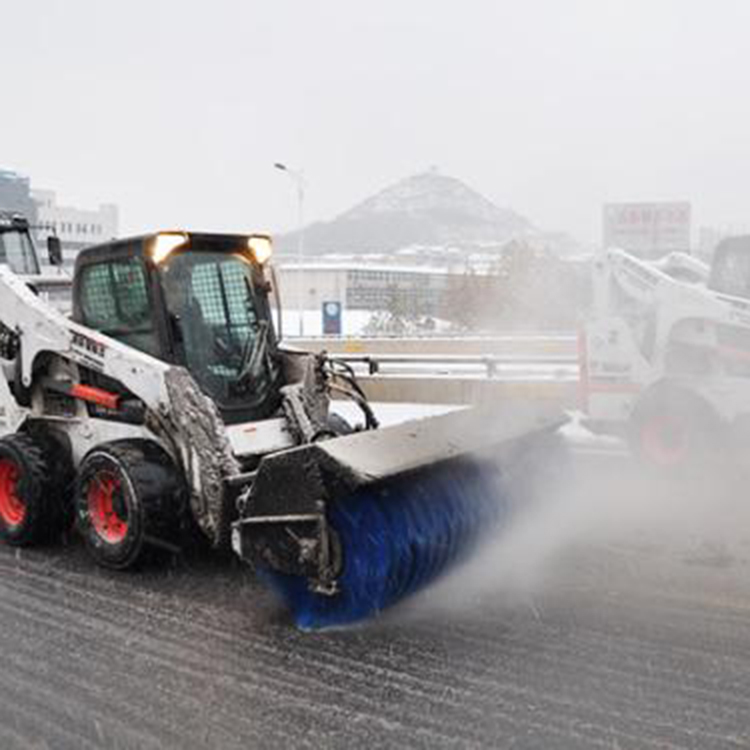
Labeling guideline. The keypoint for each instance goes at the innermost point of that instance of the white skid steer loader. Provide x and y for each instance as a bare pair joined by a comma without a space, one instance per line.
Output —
665,357
167,400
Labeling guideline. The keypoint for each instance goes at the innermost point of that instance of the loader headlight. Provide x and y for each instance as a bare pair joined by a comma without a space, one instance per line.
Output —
166,243
261,246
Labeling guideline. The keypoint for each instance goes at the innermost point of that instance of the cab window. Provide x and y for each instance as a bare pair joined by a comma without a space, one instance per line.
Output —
731,268
115,301
17,251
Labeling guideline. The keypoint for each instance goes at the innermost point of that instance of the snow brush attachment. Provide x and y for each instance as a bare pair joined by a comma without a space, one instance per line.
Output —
345,528
396,539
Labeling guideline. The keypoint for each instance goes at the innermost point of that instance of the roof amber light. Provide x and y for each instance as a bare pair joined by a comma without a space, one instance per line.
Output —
261,246
165,244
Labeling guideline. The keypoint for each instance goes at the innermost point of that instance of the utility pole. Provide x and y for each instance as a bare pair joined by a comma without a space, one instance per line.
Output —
298,177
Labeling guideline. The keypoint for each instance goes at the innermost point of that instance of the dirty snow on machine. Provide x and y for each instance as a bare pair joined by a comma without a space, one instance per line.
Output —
665,357
166,402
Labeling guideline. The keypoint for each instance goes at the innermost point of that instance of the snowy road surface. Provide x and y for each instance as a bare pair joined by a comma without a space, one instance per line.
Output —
591,633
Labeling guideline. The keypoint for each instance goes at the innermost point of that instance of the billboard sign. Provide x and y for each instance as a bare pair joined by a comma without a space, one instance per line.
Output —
648,230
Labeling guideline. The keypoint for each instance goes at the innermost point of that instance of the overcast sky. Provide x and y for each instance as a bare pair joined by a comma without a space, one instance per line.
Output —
176,111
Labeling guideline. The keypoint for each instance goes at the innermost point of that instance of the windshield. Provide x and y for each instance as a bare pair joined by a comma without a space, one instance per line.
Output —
17,251
218,313
731,272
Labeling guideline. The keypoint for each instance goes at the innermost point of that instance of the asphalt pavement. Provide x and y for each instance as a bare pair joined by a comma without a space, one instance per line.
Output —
587,627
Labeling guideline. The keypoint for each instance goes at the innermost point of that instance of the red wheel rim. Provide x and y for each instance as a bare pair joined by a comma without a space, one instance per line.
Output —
107,513
664,440
12,507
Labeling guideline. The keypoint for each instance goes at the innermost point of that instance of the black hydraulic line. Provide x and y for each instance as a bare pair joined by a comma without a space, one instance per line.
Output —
343,371
371,421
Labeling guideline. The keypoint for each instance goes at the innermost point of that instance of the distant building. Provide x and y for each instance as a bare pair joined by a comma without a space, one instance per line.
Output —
648,230
357,286
76,227
15,195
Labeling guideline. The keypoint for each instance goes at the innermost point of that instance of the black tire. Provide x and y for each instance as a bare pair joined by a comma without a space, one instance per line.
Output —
129,501
31,501
58,457
673,431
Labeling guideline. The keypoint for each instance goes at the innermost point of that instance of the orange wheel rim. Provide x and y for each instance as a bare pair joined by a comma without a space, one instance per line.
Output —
664,440
12,507
106,509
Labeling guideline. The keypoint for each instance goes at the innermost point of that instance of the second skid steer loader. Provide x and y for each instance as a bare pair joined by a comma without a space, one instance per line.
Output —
665,357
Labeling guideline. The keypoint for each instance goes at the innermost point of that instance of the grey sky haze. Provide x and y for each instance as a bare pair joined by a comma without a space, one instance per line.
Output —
177,110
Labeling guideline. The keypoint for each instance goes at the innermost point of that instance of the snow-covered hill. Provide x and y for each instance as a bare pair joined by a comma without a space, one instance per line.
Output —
428,210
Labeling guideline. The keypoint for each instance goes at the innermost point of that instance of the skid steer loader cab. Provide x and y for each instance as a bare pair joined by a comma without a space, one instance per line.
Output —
16,247
730,271
196,300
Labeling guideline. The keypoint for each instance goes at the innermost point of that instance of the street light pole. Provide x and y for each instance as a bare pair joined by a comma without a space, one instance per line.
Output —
298,177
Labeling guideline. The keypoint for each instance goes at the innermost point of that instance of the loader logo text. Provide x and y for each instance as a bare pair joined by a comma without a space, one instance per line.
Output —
90,349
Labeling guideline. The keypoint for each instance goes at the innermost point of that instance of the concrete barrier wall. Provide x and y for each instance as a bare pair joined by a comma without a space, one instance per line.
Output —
442,390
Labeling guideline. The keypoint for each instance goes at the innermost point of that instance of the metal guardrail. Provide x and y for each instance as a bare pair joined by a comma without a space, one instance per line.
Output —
491,363
562,335
526,344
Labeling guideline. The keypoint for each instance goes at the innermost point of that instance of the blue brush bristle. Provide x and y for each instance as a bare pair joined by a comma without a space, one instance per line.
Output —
396,539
